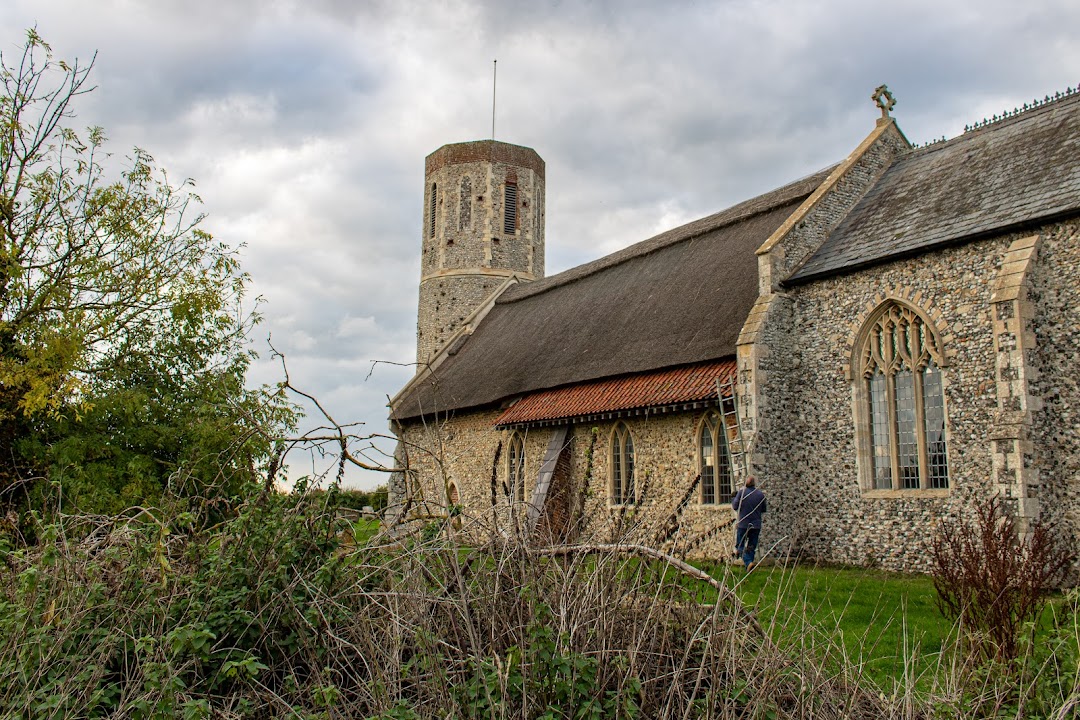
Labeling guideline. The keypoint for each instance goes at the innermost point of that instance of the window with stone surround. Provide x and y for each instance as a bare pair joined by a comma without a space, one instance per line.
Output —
714,460
622,466
515,468
510,207
899,401
433,201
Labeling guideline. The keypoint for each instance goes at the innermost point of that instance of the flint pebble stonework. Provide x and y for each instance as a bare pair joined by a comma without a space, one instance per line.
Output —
975,240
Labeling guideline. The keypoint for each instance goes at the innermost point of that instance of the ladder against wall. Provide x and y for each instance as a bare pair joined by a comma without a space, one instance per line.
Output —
729,413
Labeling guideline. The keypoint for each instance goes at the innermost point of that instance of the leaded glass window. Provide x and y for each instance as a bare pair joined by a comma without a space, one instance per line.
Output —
904,407
934,427
714,461
622,466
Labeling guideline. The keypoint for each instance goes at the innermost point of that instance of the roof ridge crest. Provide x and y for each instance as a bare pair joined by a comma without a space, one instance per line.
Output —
1017,114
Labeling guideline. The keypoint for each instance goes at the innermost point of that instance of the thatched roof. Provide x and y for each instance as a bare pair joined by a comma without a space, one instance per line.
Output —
680,298
1002,176
676,299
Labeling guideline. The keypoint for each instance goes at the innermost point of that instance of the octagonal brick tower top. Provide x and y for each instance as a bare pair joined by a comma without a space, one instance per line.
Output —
483,222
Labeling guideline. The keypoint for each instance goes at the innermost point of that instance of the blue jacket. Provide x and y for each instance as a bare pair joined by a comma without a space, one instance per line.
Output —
749,502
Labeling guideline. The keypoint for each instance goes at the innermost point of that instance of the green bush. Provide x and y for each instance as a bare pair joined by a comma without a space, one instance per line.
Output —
149,617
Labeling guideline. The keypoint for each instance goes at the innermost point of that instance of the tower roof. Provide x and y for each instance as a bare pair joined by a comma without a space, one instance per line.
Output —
484,151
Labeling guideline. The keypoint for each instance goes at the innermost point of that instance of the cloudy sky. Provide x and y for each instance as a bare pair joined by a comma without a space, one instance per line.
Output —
305,125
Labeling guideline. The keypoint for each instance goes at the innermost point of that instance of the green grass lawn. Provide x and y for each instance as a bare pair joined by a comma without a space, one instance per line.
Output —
887,622
364,529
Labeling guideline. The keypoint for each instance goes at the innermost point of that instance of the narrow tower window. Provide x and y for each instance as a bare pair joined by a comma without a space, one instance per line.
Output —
431,212
465,210
510,202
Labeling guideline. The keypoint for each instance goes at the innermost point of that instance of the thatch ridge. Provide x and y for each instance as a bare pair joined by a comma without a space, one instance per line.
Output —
736,213
675,299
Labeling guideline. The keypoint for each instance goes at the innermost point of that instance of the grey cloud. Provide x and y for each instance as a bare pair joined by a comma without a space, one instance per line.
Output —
306,124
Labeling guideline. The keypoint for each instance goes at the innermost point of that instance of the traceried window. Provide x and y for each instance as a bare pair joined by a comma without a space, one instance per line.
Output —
510,207
465,209
901,401
714,461
515,472
622,466
434,201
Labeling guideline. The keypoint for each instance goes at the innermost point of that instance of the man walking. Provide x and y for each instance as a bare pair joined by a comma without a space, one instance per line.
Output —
749,503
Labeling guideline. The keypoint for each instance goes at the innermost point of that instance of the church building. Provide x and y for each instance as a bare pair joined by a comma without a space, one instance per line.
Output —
882,344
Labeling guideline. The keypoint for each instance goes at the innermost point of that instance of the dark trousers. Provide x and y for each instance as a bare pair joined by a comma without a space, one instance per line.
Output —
746,540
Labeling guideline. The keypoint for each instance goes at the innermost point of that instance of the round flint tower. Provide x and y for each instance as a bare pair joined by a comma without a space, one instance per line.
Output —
483,222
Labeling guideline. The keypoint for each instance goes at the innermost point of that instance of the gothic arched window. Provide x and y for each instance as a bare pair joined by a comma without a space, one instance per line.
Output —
465,209
714,460
515,468
900,405
622,466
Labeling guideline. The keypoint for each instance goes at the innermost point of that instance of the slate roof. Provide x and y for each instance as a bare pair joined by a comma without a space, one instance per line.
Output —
659,389
676,299
1000,177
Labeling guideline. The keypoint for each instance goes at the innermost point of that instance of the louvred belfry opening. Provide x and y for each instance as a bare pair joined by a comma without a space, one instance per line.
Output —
510,202
431,211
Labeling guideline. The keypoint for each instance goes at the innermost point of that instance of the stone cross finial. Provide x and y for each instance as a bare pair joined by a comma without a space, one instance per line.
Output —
883,99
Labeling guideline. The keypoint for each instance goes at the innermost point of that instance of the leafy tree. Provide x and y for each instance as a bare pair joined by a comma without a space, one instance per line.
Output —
122,333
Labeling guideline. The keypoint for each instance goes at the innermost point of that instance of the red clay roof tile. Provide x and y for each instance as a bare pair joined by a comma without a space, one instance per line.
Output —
664,387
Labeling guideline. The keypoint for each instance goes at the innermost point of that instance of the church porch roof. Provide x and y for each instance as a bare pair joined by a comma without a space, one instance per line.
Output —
673,388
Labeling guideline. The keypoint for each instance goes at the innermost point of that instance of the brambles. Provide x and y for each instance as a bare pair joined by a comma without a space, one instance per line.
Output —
275,613
280,612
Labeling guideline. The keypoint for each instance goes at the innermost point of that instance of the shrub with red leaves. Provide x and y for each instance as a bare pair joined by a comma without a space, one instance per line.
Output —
993,580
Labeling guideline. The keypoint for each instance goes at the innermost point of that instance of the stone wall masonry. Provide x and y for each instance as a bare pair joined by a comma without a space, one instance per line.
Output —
459,245
1055,452
666,462
484,151
665,450
470,250
813,461
792,244
444,305
1015,477
767,327
461,450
